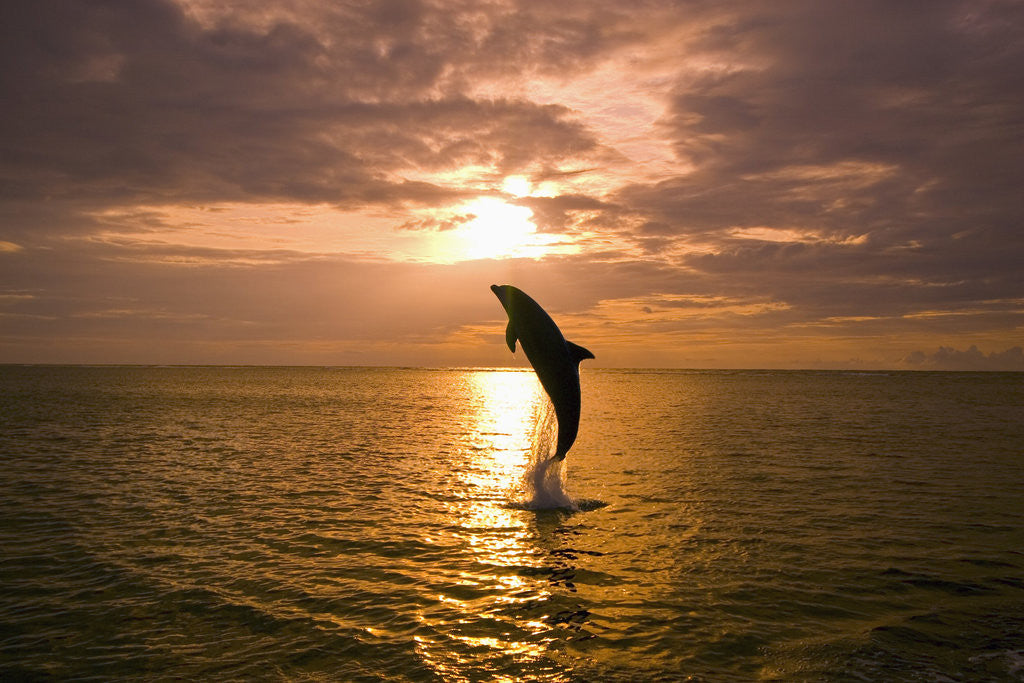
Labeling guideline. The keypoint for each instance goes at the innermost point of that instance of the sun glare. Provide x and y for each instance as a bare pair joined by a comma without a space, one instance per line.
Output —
498,229
493,226
517,186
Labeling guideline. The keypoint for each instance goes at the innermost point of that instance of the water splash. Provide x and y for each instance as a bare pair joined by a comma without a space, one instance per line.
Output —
544,479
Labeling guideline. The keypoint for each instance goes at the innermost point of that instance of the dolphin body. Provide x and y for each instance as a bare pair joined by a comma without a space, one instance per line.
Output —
555,360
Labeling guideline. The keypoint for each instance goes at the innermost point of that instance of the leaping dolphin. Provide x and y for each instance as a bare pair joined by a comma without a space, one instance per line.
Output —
555,360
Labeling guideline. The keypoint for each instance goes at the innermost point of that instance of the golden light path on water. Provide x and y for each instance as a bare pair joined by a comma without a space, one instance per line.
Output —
496,534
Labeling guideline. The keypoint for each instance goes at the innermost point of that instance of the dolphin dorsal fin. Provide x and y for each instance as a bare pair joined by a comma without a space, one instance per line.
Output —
510,337
577,352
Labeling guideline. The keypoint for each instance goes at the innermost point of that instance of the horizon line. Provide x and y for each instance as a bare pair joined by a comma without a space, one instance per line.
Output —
488,368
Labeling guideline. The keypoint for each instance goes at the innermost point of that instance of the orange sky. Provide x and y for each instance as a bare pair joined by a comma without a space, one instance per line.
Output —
686,184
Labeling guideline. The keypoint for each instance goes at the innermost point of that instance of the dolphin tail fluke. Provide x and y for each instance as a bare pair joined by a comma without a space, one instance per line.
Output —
576,352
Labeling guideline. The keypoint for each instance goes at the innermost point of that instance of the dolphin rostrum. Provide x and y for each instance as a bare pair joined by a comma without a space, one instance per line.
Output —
555,360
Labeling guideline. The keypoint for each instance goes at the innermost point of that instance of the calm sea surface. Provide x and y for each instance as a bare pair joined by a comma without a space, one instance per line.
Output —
368,524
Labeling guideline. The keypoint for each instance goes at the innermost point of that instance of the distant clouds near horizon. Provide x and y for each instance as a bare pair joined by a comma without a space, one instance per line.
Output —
683,184
970,360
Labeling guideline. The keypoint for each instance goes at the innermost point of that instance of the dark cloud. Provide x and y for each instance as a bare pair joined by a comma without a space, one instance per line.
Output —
850,117
564,212
438,224
107,102
890,137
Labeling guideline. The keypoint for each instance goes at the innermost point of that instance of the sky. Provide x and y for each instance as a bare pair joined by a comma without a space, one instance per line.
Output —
695,184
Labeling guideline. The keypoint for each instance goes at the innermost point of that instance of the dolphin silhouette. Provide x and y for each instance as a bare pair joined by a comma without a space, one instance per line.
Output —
555,360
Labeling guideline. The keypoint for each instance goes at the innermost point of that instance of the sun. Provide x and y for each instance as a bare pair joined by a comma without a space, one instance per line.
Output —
517,186
494,226
498,229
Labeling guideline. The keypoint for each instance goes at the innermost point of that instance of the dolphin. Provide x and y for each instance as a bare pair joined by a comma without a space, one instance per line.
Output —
555,360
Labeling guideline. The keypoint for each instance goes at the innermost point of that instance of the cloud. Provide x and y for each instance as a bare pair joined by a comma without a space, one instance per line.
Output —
142,103
883,141
565,212
849,119
849,170
947,358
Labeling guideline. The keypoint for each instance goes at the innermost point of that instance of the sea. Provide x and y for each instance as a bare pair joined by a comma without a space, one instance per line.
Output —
406,524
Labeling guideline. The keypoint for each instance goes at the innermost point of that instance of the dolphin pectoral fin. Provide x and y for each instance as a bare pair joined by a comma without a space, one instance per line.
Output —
577,352
510,337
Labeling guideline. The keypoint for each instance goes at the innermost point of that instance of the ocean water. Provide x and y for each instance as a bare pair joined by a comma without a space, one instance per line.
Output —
384,524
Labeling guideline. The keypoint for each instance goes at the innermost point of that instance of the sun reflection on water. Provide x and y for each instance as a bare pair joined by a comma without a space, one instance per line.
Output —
505,405
488,611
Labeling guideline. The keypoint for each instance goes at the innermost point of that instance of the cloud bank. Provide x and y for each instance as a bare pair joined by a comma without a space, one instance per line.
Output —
946,358
756,184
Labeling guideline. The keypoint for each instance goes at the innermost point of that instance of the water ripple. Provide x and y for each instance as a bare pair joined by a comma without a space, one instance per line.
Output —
368,524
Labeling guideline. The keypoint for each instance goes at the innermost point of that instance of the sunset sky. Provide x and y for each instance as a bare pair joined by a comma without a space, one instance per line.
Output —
763,184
